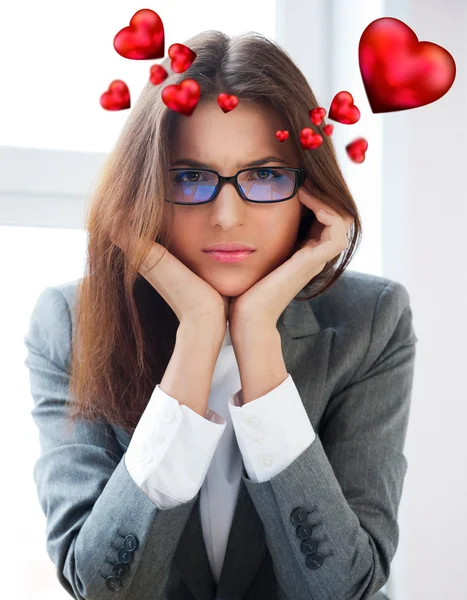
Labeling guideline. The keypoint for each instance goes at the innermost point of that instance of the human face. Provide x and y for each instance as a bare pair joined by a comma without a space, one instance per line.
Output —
226,142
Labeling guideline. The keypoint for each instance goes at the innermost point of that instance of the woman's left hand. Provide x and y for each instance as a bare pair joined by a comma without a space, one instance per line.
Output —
263,303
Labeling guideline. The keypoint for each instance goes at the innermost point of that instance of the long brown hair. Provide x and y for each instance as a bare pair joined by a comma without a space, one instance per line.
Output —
125,332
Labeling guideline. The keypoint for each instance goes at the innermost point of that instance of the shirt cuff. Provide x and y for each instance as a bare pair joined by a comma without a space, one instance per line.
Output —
271,431
171,449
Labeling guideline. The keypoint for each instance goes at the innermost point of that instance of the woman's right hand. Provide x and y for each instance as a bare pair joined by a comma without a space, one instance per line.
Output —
192,299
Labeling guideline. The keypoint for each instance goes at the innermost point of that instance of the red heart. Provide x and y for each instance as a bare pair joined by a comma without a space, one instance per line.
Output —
182,98
157,74
398,71
282,135
356,149
182,57
309,139
143,38
227,102
117,97
328,129
317,115
343,110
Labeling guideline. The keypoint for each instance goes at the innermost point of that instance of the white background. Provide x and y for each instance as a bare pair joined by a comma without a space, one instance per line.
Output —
57,58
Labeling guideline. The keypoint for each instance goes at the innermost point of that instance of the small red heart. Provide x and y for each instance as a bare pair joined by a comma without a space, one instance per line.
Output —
328,129
143,38
227,102
157,74
356,149
309,139
182,98
182,57
317,115
282,135
117,97
398,71
343,110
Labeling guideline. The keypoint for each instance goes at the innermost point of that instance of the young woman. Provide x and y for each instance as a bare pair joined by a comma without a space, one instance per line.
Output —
226,437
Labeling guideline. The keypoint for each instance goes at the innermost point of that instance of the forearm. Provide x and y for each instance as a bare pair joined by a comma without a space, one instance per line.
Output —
260,361
189,373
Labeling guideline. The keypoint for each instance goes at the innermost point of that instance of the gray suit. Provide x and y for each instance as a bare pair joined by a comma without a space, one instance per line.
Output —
325,528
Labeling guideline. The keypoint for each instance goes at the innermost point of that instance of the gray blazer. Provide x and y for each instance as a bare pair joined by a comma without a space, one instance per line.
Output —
325,528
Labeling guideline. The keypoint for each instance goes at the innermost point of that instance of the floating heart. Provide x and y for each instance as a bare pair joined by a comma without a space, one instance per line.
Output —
398,71
227,102
157,74
182,57
328,129
356,149
343,110
309,139
143,38
282,135
117,97
182,98
317,115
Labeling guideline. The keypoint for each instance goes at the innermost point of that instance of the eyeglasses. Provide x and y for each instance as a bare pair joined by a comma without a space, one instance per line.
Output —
195,186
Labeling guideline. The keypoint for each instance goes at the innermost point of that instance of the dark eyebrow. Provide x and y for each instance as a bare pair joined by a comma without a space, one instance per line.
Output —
260,161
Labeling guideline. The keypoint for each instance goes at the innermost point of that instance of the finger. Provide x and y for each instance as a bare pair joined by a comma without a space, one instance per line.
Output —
335,231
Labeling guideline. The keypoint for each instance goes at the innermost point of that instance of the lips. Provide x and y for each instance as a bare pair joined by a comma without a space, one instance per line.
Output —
229,247
229,256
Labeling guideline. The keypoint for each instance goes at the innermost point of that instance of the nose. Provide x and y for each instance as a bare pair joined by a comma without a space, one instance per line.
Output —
228,207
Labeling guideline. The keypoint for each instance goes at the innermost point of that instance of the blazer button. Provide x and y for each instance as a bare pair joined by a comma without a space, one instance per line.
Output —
130,543
299,516
124,555
314,561
309,546
304,531
113,584
121,570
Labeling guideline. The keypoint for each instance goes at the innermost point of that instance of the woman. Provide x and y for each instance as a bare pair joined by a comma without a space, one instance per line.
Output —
202,382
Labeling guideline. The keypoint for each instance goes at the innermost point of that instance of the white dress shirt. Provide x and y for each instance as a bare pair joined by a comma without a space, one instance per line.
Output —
175,451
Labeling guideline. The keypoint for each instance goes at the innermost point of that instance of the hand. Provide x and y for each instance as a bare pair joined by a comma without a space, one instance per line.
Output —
266,300
192,299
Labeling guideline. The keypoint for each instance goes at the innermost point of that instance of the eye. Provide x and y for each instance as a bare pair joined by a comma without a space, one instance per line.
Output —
179,177
274,173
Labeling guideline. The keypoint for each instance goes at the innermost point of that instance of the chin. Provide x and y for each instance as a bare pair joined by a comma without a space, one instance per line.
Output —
231,289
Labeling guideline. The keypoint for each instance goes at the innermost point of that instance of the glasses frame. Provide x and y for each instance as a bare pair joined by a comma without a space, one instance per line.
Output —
299,179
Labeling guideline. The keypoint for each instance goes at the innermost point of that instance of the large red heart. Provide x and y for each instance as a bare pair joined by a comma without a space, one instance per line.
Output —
182,98
143,38
398,71
182,57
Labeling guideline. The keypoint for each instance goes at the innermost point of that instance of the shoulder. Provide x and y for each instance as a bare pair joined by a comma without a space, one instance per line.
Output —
366,313
51,321
355,295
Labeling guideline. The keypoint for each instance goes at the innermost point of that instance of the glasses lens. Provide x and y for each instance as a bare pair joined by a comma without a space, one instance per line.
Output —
190,186
267,184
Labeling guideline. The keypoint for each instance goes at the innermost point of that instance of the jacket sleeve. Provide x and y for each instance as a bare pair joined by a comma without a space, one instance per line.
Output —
335,507
171,449
103,533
